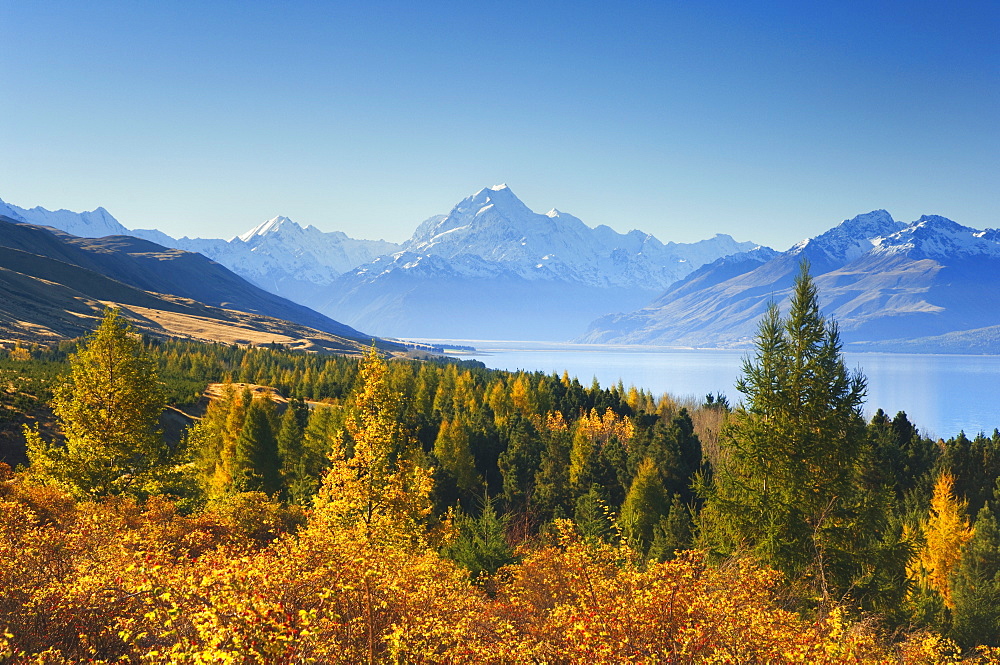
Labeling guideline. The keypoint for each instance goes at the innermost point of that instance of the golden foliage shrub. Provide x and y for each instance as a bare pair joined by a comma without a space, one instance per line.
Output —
121,581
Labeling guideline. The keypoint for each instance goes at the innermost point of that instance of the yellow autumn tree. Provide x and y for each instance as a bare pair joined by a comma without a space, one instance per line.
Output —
108,410
946,531
591,433
212,441
367,545
523,396
374,490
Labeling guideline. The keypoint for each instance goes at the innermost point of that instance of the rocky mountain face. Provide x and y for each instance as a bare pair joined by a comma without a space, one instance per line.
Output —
931,285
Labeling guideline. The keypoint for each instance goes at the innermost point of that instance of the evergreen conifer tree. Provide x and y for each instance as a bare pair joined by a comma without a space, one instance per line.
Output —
787,488
672,533
645,504
976,584
291,449
481,544
256,465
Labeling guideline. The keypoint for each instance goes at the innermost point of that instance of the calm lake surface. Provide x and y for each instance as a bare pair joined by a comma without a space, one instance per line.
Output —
941,394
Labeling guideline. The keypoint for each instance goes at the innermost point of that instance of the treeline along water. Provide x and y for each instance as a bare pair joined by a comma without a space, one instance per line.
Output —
942,394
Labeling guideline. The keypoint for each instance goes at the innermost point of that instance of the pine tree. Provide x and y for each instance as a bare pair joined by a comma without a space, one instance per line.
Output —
481,544
291,447
672,533
108,410
592,515
787,488
976,584
552,492
256,465
519,461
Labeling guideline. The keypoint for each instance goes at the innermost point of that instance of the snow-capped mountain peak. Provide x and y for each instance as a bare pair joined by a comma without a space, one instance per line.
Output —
10,211
96,223
495,226
936,237
274,225
849,239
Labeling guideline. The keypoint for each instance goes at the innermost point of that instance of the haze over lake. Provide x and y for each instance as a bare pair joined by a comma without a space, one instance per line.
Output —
941,394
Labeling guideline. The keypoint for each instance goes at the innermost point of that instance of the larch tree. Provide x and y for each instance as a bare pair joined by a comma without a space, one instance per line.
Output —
946,532
108,409
451,448
373,492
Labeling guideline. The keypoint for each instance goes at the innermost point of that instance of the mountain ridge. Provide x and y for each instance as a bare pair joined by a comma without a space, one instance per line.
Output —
932,280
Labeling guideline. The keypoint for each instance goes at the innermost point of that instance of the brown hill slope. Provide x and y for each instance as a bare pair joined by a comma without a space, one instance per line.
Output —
151,267
44,299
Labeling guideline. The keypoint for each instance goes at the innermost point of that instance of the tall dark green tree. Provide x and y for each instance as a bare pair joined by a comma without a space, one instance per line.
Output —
672,533
552,496
787,489
481,544
976,585
291,451
256,464
645,505
519,461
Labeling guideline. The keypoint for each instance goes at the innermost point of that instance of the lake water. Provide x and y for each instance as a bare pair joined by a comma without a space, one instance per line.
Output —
941,394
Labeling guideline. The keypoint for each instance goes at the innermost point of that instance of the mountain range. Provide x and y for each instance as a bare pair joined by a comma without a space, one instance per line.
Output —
491,268
930,285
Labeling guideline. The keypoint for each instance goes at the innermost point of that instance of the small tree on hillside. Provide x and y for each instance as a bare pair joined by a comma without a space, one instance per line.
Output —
108,409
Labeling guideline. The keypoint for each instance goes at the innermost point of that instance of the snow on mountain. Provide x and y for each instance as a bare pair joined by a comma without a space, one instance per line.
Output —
277,255
492,267
885,283
848,240
94,224
284,258
495,225
10,212
936,237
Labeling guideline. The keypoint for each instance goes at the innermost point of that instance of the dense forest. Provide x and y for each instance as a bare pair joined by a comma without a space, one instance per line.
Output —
340,509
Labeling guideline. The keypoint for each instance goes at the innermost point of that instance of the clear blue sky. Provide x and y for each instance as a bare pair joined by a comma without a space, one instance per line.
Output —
769,121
